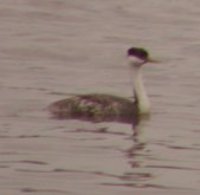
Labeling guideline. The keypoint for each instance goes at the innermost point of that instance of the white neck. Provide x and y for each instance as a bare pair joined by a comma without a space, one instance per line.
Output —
139,90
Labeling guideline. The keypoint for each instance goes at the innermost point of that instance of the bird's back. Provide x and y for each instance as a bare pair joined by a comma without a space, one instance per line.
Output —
94,107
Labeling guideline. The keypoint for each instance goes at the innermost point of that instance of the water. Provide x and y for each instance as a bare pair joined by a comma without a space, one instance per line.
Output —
52,48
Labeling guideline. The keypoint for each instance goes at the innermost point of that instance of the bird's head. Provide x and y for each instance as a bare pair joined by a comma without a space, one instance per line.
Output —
138,57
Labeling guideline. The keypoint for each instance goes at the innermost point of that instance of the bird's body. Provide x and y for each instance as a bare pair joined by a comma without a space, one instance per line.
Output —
94,107
103,107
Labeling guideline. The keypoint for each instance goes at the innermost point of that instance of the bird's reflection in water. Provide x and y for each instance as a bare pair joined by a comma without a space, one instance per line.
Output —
139,141
138,175
138,130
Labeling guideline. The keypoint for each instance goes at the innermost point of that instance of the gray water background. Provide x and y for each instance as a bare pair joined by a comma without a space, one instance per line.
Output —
52,48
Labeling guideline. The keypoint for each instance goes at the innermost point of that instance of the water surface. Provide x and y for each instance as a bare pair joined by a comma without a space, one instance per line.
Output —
52,48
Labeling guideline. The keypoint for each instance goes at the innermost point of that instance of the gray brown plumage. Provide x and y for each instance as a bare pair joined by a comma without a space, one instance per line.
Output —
94,107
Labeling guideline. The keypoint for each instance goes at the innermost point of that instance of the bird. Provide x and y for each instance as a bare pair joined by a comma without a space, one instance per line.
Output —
104,107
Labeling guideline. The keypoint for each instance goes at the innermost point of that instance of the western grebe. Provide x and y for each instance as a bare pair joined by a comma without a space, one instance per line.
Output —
103,107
